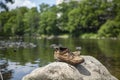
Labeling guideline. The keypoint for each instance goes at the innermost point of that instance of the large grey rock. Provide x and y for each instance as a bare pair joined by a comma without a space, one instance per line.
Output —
91,69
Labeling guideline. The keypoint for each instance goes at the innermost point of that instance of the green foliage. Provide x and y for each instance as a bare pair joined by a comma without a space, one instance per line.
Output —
88,18
44,7
110,29
31,21
3,4
48,20
19,21
89,36
10,26
7,19
62,19
13,24
90,15
74,20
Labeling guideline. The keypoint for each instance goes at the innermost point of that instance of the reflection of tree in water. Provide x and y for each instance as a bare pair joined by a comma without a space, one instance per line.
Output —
6,74
110,55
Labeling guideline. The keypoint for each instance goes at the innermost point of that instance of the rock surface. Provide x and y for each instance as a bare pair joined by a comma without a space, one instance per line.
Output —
91,69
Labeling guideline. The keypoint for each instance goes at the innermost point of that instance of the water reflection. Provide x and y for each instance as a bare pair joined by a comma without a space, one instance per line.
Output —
21,70
5,72
24,60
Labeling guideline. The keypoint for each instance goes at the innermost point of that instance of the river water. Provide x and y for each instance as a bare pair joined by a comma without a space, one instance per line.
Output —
21,61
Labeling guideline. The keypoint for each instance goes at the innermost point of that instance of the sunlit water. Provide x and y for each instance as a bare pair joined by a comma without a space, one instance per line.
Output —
23,60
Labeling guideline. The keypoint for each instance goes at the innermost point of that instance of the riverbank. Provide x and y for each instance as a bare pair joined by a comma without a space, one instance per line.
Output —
63,36
83,36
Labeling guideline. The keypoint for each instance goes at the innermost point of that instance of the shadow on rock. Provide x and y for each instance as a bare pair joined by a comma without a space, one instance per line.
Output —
83,70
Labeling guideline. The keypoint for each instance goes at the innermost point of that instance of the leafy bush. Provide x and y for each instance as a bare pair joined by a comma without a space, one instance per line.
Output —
109,29
89,35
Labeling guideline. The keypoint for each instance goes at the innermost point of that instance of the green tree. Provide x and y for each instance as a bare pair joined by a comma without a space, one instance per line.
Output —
75,18
88,16
10,26
15,24
44,7
3,19
62,16
48,22
74,25
111,28
7,19
19,21
31,21
3,4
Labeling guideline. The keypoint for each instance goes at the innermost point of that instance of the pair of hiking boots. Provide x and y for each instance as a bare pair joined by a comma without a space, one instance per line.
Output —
65,55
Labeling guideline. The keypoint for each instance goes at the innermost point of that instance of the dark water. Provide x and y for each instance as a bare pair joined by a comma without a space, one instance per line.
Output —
23,60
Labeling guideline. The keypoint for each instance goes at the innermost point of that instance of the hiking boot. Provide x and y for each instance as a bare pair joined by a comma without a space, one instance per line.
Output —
65,55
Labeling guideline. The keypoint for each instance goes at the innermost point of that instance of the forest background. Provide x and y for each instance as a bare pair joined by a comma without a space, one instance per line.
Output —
84,19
